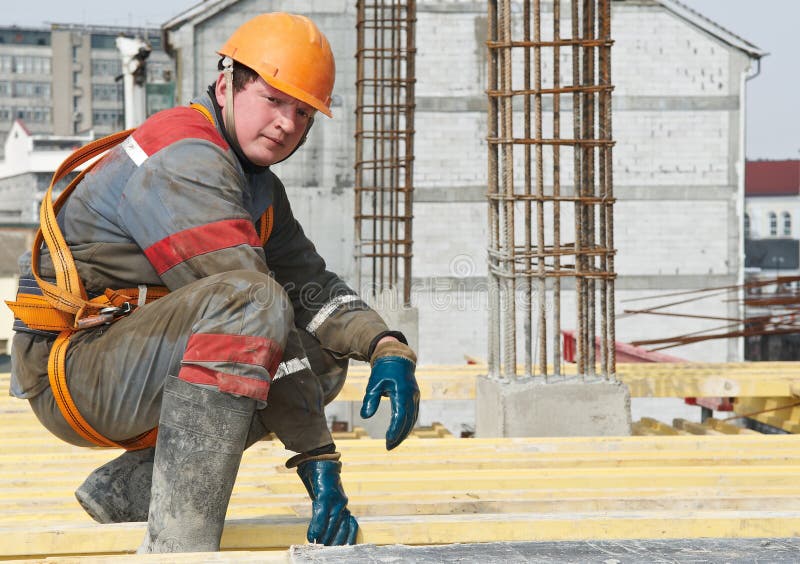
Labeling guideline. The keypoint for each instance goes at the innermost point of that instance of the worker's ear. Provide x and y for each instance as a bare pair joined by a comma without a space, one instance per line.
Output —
219,90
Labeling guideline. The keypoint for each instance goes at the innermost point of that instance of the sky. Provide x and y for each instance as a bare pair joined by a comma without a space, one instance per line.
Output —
773,120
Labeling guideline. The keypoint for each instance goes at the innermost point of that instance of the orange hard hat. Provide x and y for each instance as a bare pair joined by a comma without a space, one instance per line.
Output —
290,53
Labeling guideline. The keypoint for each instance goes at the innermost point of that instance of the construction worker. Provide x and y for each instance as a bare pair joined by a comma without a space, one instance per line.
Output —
250,333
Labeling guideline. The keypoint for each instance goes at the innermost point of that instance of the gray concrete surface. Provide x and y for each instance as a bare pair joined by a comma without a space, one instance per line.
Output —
560,407
673,551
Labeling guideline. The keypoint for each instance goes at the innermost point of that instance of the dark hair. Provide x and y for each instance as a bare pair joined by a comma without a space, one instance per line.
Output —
242,75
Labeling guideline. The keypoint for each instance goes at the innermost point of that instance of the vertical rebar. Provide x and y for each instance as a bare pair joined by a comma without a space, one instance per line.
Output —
507,134
526,110
580,302
556,188
588,180
608,187
494,198
540,195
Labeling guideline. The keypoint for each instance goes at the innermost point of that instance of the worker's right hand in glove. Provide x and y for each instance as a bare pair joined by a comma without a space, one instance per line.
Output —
331,522
393,366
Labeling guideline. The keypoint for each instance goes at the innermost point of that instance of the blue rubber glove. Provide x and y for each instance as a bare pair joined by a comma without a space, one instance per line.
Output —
393,365
331,523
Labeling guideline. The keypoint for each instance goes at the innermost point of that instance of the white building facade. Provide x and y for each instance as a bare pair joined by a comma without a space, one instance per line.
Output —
678,162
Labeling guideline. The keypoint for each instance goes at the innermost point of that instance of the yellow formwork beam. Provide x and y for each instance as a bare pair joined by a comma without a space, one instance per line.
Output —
746,379
447,503
440,489
643,380
780,412
280,533
260,556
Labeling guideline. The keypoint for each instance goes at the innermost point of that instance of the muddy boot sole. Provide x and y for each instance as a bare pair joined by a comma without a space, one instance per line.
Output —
119,491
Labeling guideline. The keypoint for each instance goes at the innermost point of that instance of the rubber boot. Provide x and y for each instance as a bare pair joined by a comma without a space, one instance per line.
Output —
119,491
201,436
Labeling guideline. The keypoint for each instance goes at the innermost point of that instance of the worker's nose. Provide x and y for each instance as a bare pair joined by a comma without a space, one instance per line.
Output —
288,119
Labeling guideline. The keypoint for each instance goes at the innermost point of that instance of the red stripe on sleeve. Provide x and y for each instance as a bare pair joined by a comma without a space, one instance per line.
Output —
245,349
229,383
170,126
195,241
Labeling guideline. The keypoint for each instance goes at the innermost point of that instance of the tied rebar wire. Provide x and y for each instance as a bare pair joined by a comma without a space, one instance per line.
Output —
385,78
518,254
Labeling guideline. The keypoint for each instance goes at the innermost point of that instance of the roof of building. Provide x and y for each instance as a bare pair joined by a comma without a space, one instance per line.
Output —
772,178
202,11
33,152
207,8
713,28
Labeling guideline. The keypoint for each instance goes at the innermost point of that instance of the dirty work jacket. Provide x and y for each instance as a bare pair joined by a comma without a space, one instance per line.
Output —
173,204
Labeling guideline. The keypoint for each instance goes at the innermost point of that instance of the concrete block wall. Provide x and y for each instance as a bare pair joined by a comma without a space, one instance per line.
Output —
677,124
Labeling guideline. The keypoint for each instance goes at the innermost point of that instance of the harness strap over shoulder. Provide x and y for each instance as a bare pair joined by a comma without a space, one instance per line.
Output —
65,307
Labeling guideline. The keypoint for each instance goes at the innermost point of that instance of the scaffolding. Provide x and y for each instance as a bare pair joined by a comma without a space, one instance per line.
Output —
384,146
561,72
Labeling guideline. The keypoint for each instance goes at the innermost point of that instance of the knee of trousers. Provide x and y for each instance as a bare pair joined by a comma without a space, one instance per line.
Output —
237,340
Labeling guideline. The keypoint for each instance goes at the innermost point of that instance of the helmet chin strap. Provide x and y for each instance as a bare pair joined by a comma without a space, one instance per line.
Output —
230,122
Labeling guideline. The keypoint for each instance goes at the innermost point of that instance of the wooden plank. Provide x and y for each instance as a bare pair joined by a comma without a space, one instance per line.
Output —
280,533
650,426
225,557
728,428
643,380
441,489
376,447
694,428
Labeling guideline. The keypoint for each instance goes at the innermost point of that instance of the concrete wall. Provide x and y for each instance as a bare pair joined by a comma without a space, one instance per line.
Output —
678,125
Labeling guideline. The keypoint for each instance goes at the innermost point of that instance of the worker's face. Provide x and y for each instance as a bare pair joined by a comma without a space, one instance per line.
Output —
269,123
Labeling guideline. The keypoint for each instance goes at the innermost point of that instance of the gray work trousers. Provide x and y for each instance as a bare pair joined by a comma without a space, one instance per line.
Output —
116,372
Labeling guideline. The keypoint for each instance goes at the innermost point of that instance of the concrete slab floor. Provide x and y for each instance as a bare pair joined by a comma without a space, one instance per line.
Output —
656,551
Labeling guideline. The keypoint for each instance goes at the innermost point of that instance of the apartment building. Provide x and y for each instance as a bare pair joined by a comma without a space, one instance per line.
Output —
64,80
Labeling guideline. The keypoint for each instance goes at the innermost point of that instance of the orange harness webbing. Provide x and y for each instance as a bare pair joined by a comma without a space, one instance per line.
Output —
64,306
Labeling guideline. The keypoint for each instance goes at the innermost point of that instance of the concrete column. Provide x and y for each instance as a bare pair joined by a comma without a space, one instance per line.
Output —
560,407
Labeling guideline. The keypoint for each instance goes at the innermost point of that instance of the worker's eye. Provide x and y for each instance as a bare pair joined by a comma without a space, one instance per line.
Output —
305,114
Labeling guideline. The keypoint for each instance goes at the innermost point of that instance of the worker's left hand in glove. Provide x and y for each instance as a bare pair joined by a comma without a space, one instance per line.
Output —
393,366
331,522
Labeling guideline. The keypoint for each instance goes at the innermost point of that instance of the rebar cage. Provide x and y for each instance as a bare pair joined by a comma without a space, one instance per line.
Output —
550,103
384,145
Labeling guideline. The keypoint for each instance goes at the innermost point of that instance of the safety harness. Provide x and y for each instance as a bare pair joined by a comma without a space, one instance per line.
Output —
65,307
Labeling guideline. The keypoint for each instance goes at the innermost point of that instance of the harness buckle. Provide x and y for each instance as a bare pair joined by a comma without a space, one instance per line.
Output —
105,316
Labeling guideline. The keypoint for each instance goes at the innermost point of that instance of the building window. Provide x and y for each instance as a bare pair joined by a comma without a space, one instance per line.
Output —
26,64
29,114
746,226
106,67
113,118
787,224
773,224
107,92
28,89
